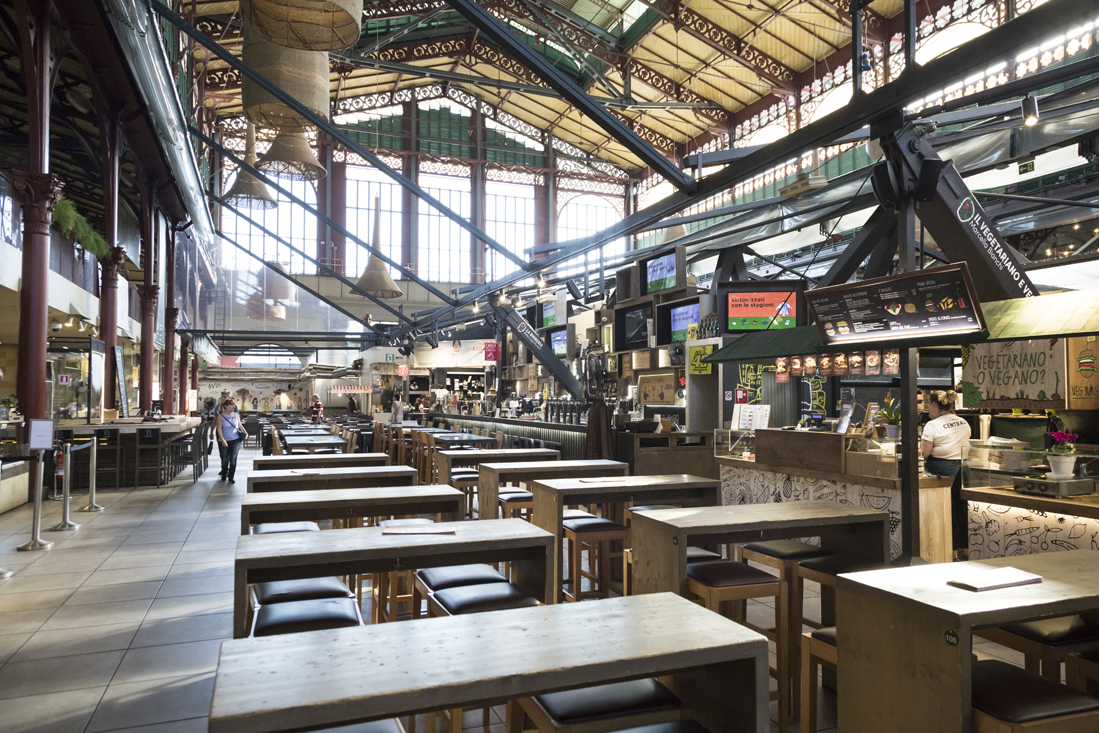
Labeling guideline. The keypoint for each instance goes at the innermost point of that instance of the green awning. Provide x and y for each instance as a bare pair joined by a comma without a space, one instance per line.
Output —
1056,315
771,344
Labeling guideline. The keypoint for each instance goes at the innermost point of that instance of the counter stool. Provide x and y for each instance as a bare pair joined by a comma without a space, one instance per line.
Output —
1047,642
385,588
514,503
377,726
823,570
109,441
1007,699
305,589
598,533
818,647
147,440
1082,671
596,709
426,582
315,615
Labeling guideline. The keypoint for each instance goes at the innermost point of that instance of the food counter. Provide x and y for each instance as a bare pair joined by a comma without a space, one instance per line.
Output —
569,439
794,465
651,454
14,484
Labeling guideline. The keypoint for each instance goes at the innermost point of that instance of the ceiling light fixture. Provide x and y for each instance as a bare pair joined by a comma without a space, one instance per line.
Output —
1030,111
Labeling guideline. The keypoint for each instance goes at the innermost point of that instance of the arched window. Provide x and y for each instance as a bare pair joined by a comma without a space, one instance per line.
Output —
581,217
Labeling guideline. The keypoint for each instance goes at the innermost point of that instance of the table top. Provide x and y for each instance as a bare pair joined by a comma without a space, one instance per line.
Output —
626,484
170,424
455,438
563,466
306,431
501,453
346,497
368,543
742,517
313,440
320,474
324,460
328,678
1070,582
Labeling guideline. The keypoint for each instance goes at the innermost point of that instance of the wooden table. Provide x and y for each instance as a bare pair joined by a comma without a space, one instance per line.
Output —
331,460
312,442
553,495
445,460
332,478
324,679
493,475
307,430
905,636
446,441
297,506
365,550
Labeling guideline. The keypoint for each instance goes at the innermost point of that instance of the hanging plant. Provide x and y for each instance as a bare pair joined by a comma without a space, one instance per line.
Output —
74,226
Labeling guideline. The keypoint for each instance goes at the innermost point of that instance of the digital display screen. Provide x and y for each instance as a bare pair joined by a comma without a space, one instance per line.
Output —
637,329
549,315
760,311
682,318
660,273
559,343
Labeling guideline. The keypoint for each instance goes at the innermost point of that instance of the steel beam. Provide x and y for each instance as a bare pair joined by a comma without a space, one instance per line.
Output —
544,354
515,46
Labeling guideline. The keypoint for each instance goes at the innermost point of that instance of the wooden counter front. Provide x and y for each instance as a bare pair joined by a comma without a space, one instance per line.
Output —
1073,506
813,451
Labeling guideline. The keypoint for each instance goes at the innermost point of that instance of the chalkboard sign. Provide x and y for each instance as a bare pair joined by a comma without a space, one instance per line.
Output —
120,377
924,304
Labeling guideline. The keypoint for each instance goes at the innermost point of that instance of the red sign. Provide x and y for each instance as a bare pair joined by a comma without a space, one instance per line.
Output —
492,351
741,396
402,370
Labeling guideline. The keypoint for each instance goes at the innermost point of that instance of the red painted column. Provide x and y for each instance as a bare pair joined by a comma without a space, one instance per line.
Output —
184,375
148,292
110,149
167,396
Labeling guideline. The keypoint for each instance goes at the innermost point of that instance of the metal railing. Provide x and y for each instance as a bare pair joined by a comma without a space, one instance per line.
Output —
65,525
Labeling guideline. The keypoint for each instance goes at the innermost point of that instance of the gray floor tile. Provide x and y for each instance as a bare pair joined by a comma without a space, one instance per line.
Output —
60,581
10,602
127,575
53,564
114,593
201,570
172,660
78,640
195,586
60,712
188,557
191,725
11,643
138,560
57,674
153,701
184,629
24,622
140,537
191,605
157,548
98,614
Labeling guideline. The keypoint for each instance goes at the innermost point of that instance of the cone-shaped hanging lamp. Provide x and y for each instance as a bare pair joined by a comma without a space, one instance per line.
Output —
314,25
301,74
280,286
292,158
376,279
248,192
673,233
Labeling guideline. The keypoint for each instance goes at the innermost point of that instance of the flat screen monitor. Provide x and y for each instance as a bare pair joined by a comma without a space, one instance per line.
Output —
660,273
637,327
559,342
759,311
682,318
549,314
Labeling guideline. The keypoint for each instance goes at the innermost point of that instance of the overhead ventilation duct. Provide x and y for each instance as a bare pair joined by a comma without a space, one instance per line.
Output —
301,74
311,25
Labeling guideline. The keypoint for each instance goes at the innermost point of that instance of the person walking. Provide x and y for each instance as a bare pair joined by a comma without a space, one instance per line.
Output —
230,438
317,410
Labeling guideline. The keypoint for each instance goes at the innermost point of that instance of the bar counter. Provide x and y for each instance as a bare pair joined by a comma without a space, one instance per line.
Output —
1006,523
569,439
170,426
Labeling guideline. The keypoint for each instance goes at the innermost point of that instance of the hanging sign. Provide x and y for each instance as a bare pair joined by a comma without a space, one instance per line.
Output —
855,363
695,356
795,366
809,365
492,351
873,363
1083,384
891,362
824,364
782,371
839,365
922,304
1026,374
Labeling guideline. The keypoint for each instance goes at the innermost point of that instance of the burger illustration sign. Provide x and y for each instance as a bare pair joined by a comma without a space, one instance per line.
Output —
1083,385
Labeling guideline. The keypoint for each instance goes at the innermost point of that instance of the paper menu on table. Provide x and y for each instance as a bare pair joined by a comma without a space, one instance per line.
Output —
980,578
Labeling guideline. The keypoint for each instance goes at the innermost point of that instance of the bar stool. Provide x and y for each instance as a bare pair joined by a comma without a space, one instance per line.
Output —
1046,643
597,533
109,441
597,709
428,581
1082,671
513,504
280,527
1007,699
148,441
314,615
818,647
386,587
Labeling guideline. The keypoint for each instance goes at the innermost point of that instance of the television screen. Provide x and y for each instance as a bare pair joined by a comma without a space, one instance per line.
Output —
682,317
660,273
760,311
559,343
637,329
549,315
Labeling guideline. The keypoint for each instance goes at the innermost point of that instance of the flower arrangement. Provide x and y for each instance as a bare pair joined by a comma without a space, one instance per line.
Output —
891,413
1063,441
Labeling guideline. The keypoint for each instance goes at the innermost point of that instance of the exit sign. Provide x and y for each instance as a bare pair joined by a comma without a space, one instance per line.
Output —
1027,167
390,357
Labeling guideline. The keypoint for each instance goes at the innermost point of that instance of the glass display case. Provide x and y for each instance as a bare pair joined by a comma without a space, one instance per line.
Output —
1015,466
735,444
876,457
75,387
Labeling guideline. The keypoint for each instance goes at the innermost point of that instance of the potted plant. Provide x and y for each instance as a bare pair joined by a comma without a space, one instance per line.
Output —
890,415
1062,462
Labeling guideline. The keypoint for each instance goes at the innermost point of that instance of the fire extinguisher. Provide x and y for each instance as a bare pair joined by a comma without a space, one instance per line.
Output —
59,460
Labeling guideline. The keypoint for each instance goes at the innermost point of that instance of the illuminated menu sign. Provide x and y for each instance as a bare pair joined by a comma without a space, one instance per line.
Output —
549,314
660,273
760,311
682,318
935,302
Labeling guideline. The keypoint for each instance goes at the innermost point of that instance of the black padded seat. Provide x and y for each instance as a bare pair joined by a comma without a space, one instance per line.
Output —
480,598
727,573
827,634
838,564
415,521
698,554
1013,695
601,702
1056,631
299,616
518,496
278,527
575,514
378,726
675,726
306,589
457,576
786,549
592,524
650,507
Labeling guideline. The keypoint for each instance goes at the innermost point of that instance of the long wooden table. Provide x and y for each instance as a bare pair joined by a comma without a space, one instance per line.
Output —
445,460
446,441
329,460
323,679
332,478
491,476
313,442
365,550
905,637
660,538
297,506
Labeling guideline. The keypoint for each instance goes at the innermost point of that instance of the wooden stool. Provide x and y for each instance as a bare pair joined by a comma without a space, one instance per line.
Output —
386,588
514,503
597,709
1082,671
1045,643
1007,699
818,647
598,533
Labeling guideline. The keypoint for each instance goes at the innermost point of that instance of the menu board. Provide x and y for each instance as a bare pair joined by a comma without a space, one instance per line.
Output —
682,318
760,311
549,314
660,273
559,343
935,302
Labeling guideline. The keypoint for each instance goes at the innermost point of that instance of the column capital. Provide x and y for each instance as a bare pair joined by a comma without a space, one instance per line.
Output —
171,318
148,295
111,262
39,193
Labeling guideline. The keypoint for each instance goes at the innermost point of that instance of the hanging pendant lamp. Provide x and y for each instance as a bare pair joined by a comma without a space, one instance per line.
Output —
292,158
301,74
248,192
313,25
673,233
375,278
280,286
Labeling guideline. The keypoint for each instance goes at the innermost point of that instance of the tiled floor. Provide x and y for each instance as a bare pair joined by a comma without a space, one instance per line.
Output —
118,627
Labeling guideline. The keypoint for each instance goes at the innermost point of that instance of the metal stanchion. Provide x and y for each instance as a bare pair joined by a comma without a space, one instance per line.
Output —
54,496
65,525
36,541
93,472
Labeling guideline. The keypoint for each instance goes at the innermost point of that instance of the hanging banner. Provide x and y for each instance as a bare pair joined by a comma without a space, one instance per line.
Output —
809,365
892,361
695,356
839,365
855,364
873,363
824,364
492,351
782,373
1016,374
795,366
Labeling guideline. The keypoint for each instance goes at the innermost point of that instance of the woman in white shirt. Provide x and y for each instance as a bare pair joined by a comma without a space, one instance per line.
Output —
941,448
